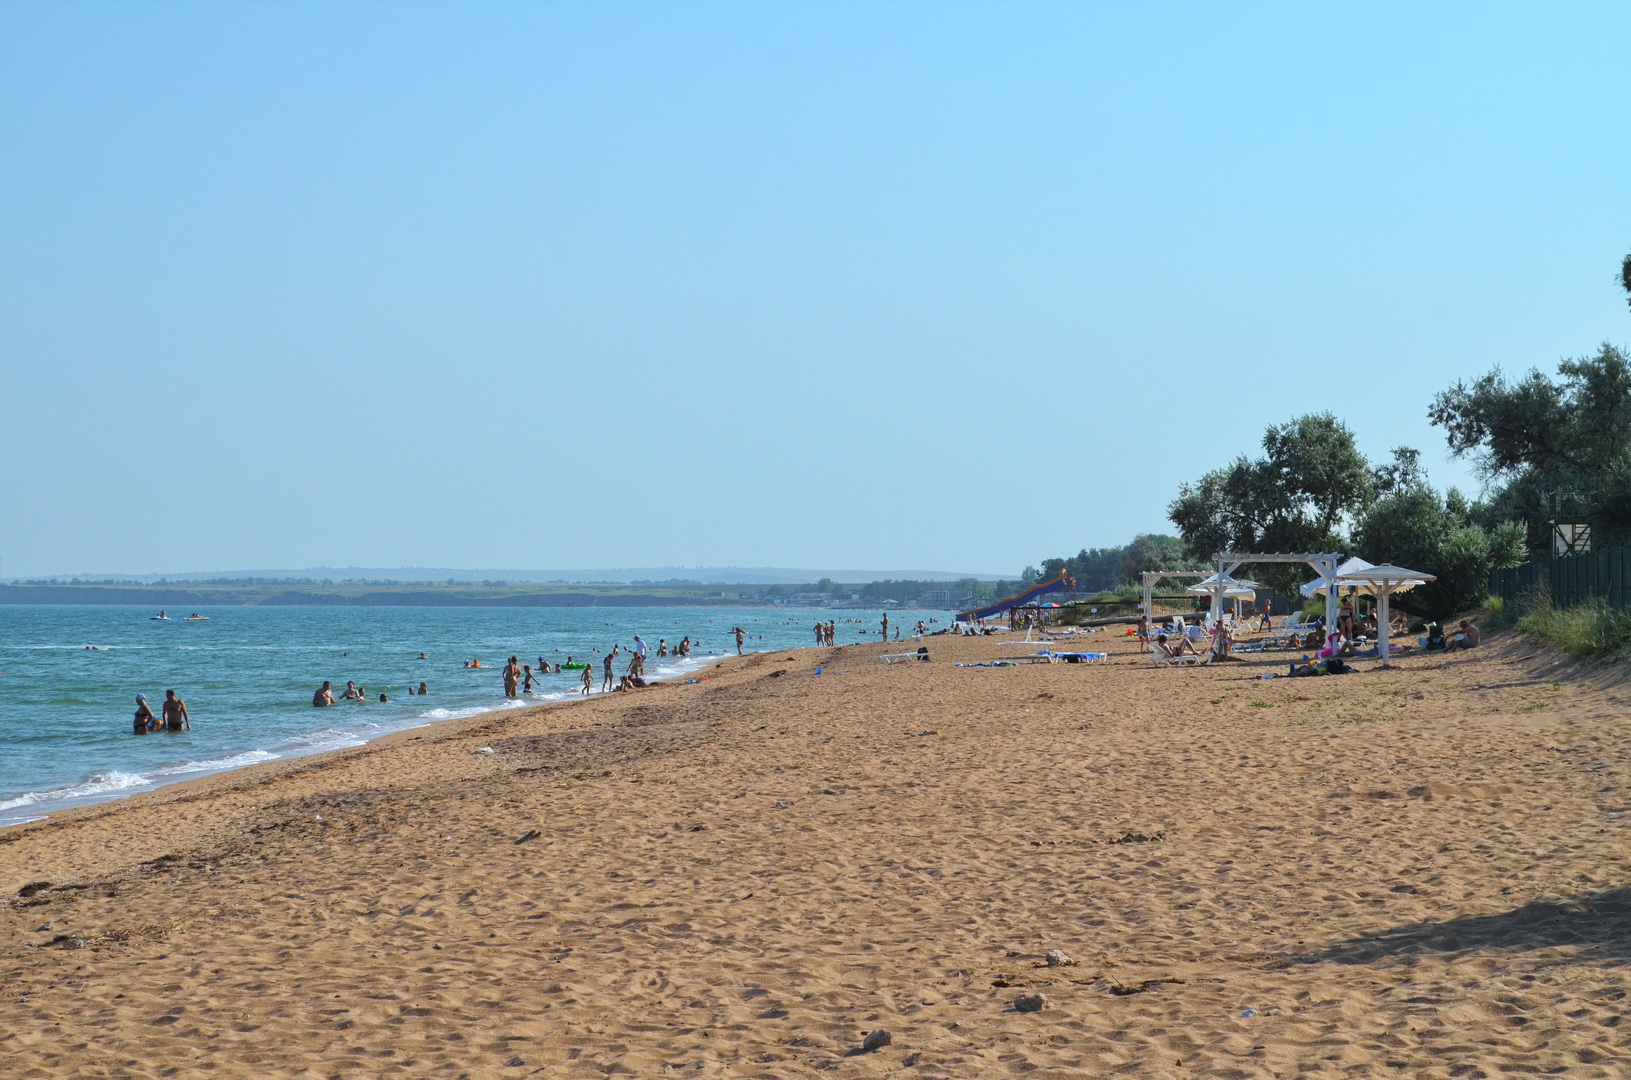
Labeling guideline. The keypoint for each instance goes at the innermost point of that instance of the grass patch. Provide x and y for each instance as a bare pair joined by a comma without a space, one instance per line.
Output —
1261,705
1586,631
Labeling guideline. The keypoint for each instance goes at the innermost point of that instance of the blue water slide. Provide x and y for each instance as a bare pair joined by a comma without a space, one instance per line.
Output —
1024,599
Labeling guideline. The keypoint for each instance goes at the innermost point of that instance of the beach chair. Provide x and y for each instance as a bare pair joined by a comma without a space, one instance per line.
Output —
905,657
1079,657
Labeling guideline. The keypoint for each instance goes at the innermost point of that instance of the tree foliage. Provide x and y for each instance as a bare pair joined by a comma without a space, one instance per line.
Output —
1411,526
1102,569
1556,448
1299,496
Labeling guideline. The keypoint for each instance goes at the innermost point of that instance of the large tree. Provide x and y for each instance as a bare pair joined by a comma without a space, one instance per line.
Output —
1556,449
1411,526
1297,497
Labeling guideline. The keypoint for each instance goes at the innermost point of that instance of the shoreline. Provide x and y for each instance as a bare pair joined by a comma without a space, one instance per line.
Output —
54,808
1326,877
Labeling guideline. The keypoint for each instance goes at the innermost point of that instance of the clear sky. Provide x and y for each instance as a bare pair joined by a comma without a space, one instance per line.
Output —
929,286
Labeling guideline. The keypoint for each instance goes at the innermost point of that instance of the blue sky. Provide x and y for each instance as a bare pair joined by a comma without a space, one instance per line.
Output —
935,286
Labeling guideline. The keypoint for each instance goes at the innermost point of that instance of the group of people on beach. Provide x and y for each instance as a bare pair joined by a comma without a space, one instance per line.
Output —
173,715
826,632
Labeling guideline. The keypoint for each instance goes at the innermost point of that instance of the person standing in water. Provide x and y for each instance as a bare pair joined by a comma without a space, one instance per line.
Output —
144,716
740,634
512,675
588,679
606,684
324,695
175,713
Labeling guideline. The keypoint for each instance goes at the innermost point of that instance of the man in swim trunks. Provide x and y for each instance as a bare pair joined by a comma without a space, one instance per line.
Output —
1466,636
324,696
175,713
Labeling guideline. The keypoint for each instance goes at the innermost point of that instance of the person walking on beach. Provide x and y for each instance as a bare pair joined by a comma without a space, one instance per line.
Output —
175,713
1268,608
144,716
886,626
1144,631
588,679
324,695
606,683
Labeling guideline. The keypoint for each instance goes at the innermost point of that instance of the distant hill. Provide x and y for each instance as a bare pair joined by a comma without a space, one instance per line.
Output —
650,575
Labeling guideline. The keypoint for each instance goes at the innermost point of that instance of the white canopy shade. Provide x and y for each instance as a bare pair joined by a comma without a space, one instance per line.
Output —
1243,590
1320,584
1382,582
1373,579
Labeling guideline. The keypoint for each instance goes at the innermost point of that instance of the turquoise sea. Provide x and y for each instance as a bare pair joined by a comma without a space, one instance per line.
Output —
248,675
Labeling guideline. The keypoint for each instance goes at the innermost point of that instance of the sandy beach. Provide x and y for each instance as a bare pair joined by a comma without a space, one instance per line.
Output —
1417,872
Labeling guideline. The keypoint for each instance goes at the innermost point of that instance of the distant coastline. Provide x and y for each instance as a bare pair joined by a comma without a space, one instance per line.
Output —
517,594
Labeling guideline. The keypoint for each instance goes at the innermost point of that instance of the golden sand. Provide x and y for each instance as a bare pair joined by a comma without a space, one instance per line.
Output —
1419,872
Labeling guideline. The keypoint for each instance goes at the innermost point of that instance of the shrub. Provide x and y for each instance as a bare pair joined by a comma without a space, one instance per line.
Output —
1586,631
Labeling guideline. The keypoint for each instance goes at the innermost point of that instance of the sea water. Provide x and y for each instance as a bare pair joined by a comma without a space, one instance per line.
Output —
248,675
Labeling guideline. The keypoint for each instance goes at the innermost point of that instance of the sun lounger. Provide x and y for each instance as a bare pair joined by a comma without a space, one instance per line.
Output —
1079,657
905,657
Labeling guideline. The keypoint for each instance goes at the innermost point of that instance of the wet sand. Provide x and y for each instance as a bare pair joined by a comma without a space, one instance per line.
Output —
1418,872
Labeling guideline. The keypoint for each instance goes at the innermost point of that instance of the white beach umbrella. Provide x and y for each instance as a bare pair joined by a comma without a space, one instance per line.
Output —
1319,585
1221,586
1382,582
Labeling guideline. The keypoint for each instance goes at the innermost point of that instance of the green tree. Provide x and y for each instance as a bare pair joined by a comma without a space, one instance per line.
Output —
1625,278
1555,447
1299,496
1411,526
1156,551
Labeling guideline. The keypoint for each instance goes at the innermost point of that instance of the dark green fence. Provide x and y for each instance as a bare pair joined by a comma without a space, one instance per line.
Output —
1605,573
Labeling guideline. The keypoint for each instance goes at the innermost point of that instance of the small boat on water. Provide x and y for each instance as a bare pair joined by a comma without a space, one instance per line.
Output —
196,617
160,617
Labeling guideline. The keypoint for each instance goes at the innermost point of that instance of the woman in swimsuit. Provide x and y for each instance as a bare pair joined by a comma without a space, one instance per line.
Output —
144,716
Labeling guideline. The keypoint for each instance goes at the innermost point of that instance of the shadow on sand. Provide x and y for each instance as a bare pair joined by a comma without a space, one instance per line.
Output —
1598,922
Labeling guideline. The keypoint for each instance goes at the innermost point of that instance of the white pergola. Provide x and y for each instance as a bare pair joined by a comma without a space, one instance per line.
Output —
1324,564
1150,577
